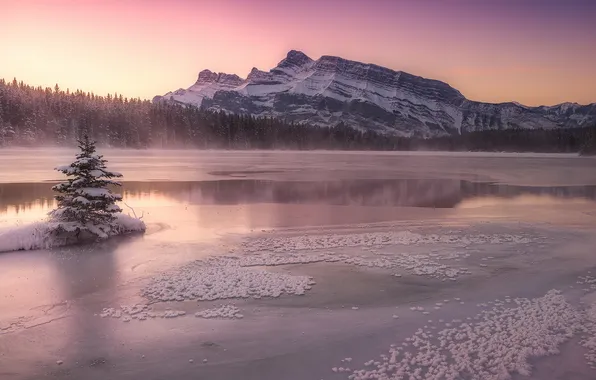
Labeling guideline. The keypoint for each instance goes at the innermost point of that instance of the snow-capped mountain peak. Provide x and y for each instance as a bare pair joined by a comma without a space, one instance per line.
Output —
334,90
295,58
257,75
208,76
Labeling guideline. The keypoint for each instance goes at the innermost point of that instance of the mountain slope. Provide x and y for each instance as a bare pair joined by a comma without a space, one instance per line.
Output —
333,90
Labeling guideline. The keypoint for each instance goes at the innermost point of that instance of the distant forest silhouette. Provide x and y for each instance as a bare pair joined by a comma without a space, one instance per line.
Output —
35,116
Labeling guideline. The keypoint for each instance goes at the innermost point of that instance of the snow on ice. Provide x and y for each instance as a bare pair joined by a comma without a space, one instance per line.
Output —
589,340
234,276
139,312
224,311
314,242
588,281
212,280
500,343
417,264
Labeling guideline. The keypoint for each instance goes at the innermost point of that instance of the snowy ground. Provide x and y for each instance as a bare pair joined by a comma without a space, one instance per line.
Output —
485,290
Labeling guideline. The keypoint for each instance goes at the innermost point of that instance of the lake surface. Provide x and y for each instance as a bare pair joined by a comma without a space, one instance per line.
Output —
214,204
28,199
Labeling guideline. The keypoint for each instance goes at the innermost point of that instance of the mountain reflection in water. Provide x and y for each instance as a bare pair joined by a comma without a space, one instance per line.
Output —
16,198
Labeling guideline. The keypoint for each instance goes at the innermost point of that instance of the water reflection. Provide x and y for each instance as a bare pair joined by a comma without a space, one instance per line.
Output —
79,273
63,287
34,199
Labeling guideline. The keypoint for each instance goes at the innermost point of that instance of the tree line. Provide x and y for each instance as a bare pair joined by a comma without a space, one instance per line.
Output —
32,116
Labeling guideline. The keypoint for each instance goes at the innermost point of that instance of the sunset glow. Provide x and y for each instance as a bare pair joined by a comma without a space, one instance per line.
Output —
532,51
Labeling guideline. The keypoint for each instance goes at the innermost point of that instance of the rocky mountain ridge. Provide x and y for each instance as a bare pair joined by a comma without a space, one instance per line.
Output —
333,90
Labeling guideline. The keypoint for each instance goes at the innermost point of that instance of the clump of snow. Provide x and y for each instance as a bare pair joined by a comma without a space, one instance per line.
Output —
589,341
234,276
420,265
39,235
589,281
289,250
314,242
225,311
221,279
127,224
417,264
589,325
500,343
274,259
94,192
139,312
26,237
340,369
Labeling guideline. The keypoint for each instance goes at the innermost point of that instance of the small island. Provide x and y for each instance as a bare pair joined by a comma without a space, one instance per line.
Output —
86,212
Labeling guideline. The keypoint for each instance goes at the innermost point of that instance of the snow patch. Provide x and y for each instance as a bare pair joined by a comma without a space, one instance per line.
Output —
127,223
588,281
499,344
589,340
139,312
228,277
215,279
225,311
38,235
314,242
26,237
418,264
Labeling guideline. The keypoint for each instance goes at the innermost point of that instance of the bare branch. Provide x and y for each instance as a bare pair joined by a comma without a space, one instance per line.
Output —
133,211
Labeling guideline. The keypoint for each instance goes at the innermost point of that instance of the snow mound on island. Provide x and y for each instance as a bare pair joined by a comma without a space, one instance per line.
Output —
127,223
26,237
38,235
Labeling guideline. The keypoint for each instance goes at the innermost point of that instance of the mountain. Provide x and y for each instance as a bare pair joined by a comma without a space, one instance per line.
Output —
333,90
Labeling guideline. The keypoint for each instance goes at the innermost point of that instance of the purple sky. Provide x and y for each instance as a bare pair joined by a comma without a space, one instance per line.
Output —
532,51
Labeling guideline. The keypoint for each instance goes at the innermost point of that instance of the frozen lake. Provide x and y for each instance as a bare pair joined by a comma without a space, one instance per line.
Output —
329,265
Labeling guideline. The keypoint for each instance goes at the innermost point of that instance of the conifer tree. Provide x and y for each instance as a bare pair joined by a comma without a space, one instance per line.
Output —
589,145
85,203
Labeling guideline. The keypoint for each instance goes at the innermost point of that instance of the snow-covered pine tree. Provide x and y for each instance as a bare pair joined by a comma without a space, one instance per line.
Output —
85,203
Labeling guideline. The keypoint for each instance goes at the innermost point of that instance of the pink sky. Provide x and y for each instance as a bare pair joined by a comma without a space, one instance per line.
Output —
531,51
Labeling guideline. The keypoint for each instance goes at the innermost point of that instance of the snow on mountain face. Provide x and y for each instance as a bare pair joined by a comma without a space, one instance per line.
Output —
333,90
